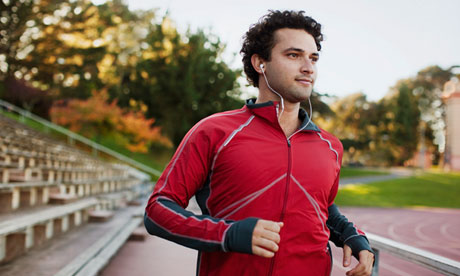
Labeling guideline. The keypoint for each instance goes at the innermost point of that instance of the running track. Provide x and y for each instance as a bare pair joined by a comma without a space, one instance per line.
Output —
435,230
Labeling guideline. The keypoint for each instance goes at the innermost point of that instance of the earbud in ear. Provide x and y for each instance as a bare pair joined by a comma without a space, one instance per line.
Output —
262,66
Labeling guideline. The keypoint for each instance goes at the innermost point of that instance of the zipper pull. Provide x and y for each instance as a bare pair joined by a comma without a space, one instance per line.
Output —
289,142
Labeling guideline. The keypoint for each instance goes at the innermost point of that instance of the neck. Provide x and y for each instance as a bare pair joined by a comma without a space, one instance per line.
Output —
289,119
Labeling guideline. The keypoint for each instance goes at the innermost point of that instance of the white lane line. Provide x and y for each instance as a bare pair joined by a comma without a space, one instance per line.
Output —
393,269
419,234
445,232
391,232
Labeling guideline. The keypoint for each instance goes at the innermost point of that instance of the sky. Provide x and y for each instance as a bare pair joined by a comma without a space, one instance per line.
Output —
369,45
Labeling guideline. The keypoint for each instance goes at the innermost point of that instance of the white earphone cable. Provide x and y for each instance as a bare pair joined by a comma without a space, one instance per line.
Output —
281,98
282,103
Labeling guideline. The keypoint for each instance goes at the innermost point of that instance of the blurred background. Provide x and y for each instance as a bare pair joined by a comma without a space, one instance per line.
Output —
133,77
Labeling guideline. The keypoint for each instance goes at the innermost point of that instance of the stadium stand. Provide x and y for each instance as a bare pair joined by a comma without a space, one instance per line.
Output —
50,190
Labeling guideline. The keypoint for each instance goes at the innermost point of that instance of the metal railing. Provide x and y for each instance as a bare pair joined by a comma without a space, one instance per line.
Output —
414,255
72,136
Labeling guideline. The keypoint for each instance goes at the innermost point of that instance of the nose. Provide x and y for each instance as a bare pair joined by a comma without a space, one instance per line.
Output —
308,67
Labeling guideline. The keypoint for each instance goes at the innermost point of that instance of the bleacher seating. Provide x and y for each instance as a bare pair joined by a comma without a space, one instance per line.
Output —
48,188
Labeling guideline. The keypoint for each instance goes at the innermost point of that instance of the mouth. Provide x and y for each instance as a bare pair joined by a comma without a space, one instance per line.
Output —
305,81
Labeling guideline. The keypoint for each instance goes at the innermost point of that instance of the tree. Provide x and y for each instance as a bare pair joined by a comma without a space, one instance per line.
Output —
46,46
21,93
427,87
425,92
353,124
96,117
181,79
15,19
17,28
388,132
404,134
72,48
69,48
320,108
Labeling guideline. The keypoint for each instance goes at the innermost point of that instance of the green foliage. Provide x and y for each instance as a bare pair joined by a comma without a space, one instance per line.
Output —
157,159
348,172
430,189
387,132
70,49
405,124
15,15
427,89
320,108
355,124
55,49
181,83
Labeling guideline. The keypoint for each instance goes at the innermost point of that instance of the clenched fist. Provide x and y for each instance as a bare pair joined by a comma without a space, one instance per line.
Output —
265,238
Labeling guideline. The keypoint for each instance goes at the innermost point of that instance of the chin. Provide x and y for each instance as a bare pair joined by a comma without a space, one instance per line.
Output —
298,99
304,96
299,96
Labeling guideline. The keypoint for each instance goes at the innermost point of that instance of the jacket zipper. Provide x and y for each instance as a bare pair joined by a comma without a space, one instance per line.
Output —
286,193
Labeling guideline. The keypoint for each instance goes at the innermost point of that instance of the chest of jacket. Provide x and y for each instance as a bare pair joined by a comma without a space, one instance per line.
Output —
260,173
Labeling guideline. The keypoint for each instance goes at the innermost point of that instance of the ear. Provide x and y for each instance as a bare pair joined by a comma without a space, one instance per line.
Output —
256,62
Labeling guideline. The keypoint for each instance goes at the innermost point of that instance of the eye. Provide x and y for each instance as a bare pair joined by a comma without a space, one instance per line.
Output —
293,55
315,58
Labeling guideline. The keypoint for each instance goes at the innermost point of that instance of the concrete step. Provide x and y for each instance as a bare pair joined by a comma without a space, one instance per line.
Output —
70,253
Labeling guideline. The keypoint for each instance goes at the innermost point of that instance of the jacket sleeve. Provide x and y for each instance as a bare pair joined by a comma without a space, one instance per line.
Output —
345,232
165,214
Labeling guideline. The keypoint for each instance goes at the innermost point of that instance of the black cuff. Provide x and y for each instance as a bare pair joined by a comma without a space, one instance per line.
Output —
239,236
357,244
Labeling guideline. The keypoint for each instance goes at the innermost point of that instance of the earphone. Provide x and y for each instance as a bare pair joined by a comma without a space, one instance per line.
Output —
262,67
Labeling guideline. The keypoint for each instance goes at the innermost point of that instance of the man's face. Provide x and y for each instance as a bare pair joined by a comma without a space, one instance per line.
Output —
291,70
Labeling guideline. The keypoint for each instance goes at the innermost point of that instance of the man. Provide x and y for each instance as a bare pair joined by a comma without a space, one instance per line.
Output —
264,176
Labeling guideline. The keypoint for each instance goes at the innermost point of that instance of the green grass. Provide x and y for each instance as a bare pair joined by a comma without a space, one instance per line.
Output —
157,160
428,190
346,172
28,122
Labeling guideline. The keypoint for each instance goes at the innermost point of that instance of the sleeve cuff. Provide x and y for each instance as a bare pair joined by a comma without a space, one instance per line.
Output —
357,244
239,236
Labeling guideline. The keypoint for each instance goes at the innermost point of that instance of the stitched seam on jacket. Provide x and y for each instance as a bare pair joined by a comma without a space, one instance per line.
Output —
248,199
227,141
186,141
350,237
313,203
330,146
182,235
192,216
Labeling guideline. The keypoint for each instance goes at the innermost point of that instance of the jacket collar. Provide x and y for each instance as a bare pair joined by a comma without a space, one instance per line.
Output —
267,110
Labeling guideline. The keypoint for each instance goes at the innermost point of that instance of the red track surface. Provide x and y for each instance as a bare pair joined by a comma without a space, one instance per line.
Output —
434,230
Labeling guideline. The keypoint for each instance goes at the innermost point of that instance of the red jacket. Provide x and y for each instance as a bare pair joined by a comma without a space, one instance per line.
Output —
241,167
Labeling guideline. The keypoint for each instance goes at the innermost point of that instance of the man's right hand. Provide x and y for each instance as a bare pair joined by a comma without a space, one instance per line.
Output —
265,238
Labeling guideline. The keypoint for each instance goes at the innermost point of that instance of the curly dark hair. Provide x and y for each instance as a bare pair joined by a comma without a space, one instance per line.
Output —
260,38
